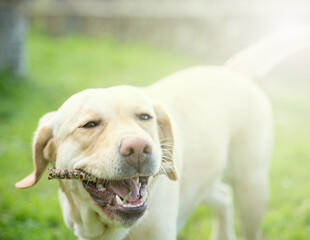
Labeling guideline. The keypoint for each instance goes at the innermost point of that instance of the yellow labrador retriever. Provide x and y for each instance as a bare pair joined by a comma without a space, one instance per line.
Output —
196,125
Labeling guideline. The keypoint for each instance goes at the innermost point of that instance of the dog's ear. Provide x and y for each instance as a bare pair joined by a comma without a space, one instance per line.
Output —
43,150
166,141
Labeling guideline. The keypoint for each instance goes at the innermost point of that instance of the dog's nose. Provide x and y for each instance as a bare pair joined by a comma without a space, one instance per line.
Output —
137,151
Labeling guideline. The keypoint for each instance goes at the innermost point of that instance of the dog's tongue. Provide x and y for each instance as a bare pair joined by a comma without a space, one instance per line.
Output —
122,188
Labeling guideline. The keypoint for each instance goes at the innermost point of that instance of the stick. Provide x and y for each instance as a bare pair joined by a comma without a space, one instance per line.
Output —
70,174
82,175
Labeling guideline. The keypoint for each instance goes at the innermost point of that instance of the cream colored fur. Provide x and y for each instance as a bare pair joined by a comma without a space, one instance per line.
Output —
215,121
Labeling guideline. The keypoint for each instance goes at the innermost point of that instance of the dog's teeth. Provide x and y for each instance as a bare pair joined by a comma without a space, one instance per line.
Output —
143,191
137,180
128,205
100,187
119,200
139,185
144,197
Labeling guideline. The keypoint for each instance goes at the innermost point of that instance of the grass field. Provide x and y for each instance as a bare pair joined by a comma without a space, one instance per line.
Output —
60,67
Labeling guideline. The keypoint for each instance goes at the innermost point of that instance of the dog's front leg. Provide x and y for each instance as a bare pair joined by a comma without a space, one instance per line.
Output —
219,198
166,232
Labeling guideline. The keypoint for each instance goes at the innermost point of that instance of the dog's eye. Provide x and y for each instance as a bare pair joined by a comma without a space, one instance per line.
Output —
91,124
144,116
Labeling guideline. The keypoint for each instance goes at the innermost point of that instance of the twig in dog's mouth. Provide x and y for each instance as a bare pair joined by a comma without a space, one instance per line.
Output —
70,174
83,175
127,193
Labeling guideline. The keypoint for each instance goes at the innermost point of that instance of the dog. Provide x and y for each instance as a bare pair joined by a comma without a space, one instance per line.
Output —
198,126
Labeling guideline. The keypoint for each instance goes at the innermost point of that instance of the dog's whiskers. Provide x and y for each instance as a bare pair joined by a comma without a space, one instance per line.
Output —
167,155
165,139
167,147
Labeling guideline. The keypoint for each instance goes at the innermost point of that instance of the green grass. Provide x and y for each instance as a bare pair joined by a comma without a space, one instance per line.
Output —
62,66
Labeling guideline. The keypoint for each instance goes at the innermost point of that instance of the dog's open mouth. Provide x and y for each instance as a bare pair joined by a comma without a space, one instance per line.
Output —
128,195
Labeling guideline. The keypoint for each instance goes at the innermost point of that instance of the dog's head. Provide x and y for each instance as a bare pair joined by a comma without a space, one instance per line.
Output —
118,136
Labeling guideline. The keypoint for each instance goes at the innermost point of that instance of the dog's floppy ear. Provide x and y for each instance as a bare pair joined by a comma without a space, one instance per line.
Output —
166,141
43,148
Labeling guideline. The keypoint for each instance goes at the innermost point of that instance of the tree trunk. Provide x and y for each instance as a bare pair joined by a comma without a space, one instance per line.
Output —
12,38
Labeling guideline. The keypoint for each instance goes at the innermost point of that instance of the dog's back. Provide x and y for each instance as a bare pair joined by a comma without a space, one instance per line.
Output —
223,127
221,121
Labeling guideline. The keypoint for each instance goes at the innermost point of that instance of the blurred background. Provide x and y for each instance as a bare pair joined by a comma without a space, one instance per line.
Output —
51,49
